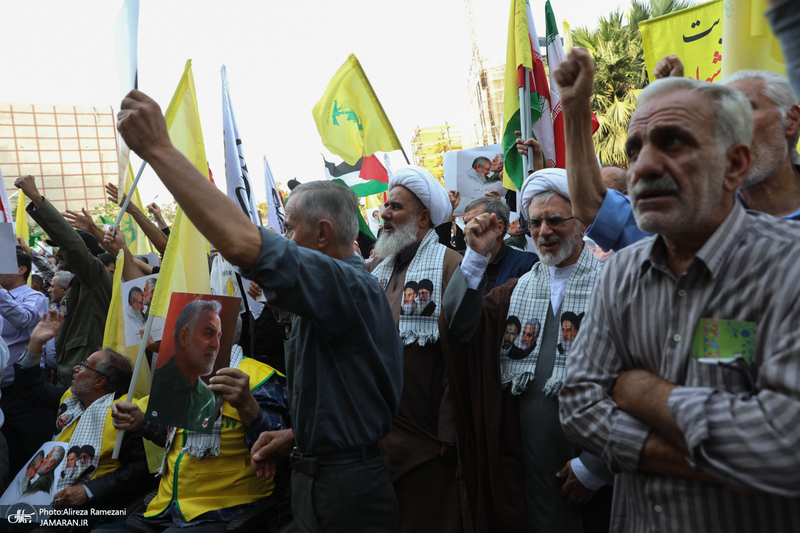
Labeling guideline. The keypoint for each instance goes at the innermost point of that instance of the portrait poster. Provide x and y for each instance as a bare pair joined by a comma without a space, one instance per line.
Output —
37,482
474,172
197,339
149,259
137,296
8,255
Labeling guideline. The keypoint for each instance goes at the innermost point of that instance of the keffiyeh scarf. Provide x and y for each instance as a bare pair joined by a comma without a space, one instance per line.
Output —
529,303
420,322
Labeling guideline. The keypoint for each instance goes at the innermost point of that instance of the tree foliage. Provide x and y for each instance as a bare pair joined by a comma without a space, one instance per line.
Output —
620,72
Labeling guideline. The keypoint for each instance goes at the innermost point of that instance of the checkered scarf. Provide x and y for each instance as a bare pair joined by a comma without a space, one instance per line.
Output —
202,445
428,264
88,431
531,299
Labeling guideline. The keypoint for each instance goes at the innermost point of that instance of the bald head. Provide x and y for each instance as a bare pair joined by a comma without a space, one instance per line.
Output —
614,178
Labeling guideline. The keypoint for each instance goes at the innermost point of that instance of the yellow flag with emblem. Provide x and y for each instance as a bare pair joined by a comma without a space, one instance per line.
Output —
349,117
135,238
185,264
693,34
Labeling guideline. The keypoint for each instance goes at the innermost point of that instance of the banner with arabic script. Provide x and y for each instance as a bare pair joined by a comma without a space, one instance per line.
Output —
694,35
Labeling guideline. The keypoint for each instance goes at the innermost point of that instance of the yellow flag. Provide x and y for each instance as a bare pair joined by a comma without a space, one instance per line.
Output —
21,228
134,236
185,264
114,336
693,34
349,117
747,41
567,37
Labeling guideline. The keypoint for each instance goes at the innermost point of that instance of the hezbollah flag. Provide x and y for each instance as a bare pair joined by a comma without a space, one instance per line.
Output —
693,34
521,53
349,117
135,238
185,264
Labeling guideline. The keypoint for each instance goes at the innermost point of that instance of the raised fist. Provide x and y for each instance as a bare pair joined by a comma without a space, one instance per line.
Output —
575,78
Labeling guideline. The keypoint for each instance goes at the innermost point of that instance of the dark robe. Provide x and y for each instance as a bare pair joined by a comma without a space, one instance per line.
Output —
487,421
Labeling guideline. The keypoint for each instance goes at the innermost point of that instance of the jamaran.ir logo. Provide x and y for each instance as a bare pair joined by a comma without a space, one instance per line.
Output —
21,513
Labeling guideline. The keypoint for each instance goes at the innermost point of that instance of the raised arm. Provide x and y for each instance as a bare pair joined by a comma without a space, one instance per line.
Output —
575,78
88,268
156,236
142,125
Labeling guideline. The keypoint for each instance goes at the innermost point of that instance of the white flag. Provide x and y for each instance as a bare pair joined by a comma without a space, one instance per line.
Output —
274,201
236,175
126,31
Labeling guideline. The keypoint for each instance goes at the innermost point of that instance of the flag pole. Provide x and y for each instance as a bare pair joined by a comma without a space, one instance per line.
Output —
528,120
523,130
136,369
404,155
124,205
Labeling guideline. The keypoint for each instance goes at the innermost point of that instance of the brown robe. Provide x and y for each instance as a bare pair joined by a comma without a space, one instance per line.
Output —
487,421
426,484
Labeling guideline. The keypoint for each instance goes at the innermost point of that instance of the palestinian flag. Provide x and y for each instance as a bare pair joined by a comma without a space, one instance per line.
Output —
368,176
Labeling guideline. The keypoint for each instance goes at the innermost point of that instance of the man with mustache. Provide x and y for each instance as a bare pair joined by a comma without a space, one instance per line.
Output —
179,397
520,468
700,440
772,186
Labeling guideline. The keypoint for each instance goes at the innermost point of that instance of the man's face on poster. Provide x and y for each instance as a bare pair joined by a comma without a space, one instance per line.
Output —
48,463
529,336
568,331
497,164
138,303
201,346
408,295
510,335
147,296
71,460
424,296
485,169
85,458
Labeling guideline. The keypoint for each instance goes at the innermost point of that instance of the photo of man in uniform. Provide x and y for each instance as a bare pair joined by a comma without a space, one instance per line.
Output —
530,335
147,295
179,396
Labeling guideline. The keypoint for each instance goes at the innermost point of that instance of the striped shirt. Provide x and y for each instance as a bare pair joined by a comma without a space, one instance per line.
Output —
642,316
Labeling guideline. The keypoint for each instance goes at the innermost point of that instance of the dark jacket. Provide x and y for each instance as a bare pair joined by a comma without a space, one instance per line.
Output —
88,296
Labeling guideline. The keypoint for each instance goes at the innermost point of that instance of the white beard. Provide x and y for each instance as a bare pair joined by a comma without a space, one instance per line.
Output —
402,237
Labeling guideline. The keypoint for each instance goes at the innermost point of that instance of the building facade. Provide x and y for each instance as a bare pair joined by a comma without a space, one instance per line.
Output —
70,150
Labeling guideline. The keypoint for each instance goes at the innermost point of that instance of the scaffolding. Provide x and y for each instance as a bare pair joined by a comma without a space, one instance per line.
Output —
430,144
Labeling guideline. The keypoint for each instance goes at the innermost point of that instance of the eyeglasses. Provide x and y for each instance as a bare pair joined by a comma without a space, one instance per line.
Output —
83,365
553,222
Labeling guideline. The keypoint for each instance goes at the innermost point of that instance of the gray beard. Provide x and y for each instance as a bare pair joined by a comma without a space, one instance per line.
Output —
401,238
568,246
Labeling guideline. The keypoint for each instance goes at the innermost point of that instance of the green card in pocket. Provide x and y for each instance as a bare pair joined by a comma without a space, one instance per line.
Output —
717,340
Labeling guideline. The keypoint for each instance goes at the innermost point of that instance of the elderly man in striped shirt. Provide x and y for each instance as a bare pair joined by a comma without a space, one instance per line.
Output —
684,376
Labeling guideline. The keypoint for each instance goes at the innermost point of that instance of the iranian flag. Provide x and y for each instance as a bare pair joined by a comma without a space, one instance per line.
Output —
555,55
368,176
543,128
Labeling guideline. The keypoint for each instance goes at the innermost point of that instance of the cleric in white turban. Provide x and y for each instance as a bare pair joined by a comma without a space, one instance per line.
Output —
547,179
430,192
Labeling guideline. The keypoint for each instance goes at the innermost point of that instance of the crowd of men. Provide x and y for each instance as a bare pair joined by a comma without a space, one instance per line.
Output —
635,371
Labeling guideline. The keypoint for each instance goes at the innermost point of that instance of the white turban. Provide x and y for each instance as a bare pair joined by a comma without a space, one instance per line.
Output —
547,179
430,192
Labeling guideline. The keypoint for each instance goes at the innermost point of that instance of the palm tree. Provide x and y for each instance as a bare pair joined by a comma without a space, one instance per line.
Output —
616,46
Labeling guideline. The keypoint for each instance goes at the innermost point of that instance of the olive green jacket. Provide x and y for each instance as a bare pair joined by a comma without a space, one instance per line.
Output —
87,299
